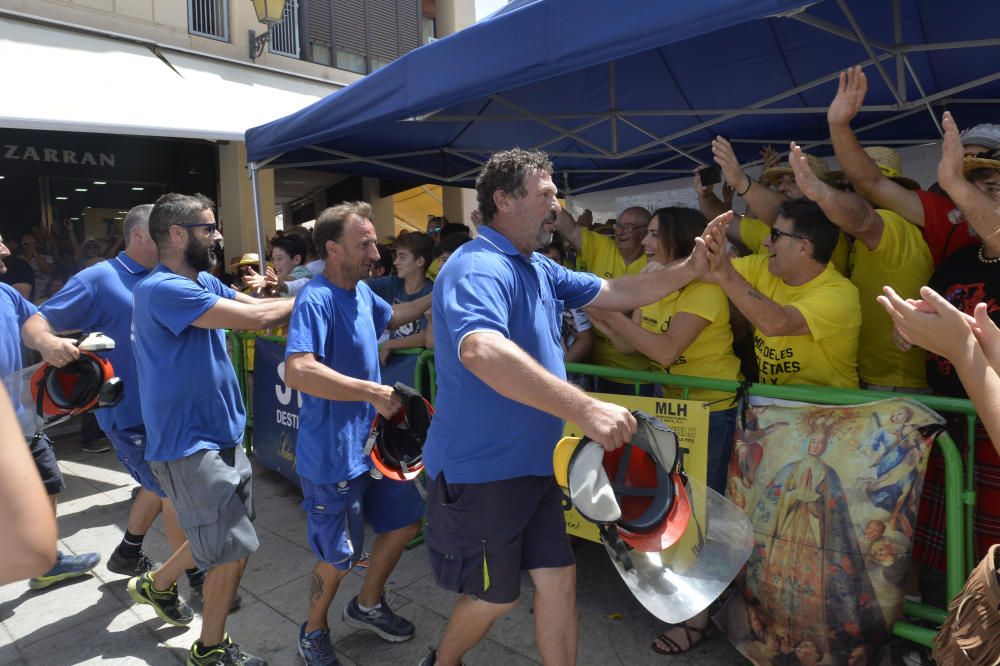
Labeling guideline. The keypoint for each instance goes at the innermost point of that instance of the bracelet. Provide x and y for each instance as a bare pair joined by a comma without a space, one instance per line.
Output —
749,185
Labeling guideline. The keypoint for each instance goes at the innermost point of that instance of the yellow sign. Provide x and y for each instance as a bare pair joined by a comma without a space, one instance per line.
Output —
688,418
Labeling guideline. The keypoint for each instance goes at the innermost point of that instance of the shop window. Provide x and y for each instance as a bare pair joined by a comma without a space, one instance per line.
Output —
209,18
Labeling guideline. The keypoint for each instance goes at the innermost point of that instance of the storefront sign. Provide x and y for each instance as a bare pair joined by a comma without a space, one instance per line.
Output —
275,410
13,151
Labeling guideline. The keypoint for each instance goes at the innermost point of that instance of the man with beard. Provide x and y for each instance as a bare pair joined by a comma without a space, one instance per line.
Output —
493,506
194,417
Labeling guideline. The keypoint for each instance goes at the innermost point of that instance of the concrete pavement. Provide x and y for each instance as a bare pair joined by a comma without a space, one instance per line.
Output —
91,620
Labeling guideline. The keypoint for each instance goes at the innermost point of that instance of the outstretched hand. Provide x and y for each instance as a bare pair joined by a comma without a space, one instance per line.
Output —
932,323
952,154
987,334
769,157
725,157
851,90
714,240
811,186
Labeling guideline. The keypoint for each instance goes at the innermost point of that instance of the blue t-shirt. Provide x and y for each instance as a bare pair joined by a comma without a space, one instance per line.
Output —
14,311
341,328
477,435
392,289
99,298
187,387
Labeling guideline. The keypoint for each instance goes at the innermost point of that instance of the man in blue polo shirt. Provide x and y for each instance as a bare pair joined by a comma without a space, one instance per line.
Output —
332,356
493,507
99,298
14,311
194,417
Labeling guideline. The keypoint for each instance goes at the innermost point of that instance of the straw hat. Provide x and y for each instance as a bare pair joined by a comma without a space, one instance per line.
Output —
973,163
248,259
890,164
817,165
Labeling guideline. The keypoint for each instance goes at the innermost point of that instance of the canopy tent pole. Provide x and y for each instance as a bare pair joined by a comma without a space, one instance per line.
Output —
258,218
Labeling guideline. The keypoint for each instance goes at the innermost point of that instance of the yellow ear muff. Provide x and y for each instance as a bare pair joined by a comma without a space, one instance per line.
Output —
561,457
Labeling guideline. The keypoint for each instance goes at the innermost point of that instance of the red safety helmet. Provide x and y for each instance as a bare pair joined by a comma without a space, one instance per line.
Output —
396,445
87,383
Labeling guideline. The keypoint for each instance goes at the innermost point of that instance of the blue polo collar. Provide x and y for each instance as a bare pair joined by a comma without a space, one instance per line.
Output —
130,264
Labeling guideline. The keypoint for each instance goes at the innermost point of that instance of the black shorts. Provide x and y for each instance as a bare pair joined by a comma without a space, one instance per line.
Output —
45,461
480,536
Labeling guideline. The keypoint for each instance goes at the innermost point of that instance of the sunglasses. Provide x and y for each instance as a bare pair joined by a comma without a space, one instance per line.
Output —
212,227
778,233
630,227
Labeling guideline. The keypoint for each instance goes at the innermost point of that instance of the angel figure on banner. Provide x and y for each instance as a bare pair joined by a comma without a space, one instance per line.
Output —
896,470
813,574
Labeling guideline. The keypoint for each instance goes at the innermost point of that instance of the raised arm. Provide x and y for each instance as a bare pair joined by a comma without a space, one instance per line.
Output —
255,315
404,313
847,210
980,210
766,315
632,291
305,373
569,229
511,372
936,325
762,200
867,180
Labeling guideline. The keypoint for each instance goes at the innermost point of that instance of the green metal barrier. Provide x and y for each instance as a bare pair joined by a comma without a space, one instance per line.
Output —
958,525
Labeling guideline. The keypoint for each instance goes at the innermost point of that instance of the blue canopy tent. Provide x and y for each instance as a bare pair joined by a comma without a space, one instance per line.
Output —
633,91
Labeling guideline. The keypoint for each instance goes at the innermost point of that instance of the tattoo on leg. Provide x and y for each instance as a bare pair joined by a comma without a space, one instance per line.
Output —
315,589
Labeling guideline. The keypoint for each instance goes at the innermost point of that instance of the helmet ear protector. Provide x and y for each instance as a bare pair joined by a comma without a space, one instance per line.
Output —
85,384
636,494
396,445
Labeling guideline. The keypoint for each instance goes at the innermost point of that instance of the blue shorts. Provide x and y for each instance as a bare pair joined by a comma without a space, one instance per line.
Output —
130,447
337,513
480,536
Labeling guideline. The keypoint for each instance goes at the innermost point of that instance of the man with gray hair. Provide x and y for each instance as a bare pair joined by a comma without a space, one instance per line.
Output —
493,506
195,420
99,299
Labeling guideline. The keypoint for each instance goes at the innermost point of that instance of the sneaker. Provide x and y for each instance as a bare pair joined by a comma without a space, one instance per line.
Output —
381,620
167,604
316,648
67,566
227,654
195,583
99,445
130,566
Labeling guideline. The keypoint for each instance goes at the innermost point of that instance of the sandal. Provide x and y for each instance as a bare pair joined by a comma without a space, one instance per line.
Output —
694,635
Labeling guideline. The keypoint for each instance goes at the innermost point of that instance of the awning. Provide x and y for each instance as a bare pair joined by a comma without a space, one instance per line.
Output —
62,79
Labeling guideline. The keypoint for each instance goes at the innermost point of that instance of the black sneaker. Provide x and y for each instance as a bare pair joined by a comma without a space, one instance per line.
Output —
167,604
195,582
227,654
99,445
381,620
130,566
431,659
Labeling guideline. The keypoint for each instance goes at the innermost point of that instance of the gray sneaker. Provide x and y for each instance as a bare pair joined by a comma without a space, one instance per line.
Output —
381,620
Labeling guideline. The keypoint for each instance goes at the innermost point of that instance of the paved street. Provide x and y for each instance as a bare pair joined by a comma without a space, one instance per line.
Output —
91,620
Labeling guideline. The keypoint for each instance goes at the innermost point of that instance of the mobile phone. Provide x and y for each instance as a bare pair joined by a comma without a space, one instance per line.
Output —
710,175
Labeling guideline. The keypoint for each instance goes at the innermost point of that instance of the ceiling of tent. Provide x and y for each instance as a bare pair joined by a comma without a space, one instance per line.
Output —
633,91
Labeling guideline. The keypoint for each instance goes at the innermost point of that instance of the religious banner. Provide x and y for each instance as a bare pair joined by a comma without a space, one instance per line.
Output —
832,493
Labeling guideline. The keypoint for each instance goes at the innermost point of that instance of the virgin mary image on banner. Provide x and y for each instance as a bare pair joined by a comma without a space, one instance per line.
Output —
831,510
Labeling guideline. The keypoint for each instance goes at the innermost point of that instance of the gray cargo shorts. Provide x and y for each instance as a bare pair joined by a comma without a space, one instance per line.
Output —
212,492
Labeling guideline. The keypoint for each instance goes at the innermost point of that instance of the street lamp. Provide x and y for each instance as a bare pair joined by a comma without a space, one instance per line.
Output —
268,12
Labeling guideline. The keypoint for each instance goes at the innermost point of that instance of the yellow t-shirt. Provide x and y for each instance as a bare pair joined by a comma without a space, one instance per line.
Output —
903,261
711,353
601,256
434,269
753,231
828,356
